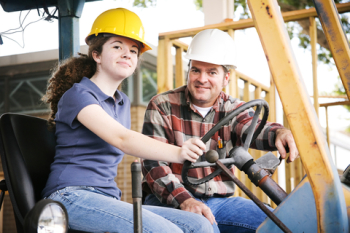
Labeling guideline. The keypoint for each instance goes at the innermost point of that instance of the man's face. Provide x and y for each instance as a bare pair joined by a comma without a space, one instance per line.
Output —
205,82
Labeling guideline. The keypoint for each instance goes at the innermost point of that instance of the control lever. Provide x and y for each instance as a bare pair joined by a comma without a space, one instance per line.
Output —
214,157
136,196
269,162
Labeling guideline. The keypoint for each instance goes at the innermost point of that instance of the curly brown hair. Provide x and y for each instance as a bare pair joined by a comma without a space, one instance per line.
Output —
71,71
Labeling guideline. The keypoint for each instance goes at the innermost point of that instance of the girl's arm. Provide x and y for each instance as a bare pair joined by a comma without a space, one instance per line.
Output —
133,143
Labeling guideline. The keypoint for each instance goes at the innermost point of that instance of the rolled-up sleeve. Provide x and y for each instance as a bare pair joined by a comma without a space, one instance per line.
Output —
239,131
158,175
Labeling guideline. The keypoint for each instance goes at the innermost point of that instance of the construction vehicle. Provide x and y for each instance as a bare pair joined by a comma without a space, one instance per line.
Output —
320,202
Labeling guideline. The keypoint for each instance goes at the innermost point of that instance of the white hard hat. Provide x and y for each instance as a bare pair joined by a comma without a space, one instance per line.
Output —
212,46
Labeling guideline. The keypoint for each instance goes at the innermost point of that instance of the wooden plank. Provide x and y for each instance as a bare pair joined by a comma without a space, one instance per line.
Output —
335,103
313,42
233,84
248,23
169,72
252,81
327,128
271,100
333,96
241,24
257,95
164,66
257,92
287,165
161,78
180,44
179,69
246,93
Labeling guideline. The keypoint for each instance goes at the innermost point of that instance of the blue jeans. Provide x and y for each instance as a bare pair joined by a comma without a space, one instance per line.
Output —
234,214
93,211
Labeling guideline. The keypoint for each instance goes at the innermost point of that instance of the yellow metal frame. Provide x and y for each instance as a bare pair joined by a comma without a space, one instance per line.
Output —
336,38
300,114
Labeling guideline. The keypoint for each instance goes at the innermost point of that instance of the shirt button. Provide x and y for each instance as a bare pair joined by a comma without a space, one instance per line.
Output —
203,119
209,189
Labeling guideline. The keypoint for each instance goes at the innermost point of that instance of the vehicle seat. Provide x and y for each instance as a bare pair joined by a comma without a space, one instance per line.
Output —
27,149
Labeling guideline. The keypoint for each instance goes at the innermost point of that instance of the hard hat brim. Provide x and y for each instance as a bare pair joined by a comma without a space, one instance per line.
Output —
145,47
119,22
209,60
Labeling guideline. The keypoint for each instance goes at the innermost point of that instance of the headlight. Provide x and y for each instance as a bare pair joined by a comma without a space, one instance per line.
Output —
47,216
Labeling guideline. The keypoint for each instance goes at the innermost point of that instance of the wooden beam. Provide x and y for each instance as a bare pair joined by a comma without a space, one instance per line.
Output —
161,78
246,93
257,93
335,103
271,99
227,89
179,70
332,96
248,23
233,84
241,24
180,44
313,42
252,81
327,128
164,66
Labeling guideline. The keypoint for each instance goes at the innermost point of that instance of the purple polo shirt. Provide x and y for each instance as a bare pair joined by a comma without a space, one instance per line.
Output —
82,158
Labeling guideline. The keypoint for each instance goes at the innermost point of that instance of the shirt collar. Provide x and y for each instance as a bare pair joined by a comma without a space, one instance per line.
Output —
189,102
101,95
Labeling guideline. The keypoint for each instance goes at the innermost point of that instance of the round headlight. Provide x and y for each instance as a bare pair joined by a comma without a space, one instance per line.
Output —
47,216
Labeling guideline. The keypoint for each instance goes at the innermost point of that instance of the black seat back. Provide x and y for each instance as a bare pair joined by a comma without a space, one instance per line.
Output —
27,149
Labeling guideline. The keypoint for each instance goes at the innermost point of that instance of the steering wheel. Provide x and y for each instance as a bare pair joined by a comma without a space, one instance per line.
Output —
227,161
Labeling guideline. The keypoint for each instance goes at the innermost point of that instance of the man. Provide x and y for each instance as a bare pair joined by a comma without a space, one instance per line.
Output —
191,111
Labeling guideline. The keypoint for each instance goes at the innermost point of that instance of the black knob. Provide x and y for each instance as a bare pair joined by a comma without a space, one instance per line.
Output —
211,156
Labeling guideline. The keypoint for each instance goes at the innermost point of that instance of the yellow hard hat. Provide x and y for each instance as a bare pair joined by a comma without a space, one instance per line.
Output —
121,22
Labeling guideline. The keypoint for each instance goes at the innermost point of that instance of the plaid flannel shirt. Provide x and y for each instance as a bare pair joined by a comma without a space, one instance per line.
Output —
171,117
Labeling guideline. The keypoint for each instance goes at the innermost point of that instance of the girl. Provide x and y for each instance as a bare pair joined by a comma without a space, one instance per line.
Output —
92,121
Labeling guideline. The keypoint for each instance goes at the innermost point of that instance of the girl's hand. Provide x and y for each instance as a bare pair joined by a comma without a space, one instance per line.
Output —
191,150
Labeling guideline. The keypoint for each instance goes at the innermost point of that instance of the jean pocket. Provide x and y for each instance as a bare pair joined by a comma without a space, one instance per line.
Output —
69,195
52,195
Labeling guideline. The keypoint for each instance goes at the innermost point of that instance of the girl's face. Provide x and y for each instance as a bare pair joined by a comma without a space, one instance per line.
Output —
118,59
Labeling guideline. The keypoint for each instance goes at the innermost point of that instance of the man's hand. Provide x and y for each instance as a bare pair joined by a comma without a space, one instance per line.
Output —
284,139
194,206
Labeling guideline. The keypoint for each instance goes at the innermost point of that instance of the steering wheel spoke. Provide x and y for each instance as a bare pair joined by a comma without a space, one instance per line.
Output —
251,128
251,136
